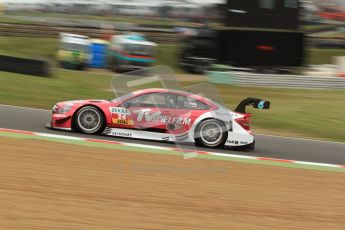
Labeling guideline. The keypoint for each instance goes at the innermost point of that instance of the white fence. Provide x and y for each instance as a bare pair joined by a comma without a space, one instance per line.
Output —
275,80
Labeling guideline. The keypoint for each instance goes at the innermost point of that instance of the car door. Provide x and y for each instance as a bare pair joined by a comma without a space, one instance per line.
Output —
121,117
149,111
186,111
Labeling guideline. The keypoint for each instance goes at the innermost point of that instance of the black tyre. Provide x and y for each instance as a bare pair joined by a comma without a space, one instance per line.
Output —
211,133
89,120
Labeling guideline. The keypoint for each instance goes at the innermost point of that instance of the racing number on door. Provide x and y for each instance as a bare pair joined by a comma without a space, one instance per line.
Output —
121,117
123,120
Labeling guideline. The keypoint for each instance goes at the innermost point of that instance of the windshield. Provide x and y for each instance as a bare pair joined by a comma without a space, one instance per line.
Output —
122,98
138,49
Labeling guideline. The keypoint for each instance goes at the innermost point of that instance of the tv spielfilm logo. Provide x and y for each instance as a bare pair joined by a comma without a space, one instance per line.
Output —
124,84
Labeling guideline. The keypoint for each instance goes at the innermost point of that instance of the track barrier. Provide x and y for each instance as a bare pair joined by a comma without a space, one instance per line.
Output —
25,66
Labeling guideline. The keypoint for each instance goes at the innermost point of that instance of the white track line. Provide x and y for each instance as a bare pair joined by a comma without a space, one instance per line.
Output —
22,107
147,146
317,164
58,136
232,155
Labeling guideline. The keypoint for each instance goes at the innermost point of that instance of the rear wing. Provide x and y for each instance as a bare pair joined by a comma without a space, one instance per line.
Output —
255,102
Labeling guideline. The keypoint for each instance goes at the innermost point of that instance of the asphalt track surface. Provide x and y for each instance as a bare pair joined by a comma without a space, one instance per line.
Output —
30,119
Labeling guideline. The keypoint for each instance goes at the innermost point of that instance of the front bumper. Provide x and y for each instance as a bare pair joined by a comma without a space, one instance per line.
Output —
239,139
60,122
50,126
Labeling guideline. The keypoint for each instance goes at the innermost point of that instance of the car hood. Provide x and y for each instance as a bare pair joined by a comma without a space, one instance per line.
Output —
85,101
78,103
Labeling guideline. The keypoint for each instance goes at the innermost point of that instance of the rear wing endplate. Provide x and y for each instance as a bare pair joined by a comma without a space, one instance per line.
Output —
255,102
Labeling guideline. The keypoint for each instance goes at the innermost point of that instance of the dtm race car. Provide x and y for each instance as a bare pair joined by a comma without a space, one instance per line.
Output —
161,115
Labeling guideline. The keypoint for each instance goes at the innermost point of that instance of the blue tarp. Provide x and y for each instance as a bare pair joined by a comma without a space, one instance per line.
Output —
99,55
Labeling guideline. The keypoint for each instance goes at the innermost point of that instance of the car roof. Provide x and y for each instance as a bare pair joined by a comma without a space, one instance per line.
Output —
159,90
179,92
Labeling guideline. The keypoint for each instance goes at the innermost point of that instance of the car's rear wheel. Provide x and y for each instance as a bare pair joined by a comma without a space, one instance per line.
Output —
90,120
211,133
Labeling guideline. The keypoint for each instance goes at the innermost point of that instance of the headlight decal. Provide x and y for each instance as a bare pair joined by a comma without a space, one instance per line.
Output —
64,109
55,109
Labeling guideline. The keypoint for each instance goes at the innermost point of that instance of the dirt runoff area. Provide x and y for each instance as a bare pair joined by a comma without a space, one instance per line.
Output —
47,185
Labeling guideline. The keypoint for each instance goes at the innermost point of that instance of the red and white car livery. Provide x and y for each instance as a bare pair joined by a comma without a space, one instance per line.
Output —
161,115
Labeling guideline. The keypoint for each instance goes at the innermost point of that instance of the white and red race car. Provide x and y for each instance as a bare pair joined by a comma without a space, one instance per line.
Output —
161,115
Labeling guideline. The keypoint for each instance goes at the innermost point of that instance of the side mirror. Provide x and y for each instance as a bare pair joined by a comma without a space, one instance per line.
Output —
127,105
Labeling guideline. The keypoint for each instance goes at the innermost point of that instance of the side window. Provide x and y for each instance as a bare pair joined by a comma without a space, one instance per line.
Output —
201,105
153,100
184,102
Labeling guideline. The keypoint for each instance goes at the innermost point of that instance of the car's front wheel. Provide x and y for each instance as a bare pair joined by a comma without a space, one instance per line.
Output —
90,120
211,133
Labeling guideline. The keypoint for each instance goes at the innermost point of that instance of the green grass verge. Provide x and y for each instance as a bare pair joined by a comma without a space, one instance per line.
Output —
305,113
25,90
4,19
29,47
313,28
323,56
119,19
294,112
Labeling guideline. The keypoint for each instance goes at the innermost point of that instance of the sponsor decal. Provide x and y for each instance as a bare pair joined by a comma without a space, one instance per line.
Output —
232,142
261,104
122,116
120,121
119,110
146,115
223,115
61,115
120,134
166,138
